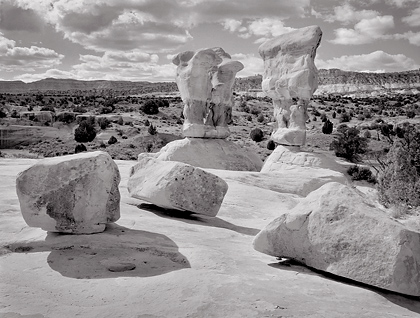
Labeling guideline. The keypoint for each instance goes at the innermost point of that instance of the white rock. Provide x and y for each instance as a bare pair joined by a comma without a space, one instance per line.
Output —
71,194
290,73
175,185
210,153
336,229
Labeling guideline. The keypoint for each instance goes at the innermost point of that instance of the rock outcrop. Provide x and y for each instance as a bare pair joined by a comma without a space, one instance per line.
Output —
290,78
175,185
209,153
75,194
205,79
338,230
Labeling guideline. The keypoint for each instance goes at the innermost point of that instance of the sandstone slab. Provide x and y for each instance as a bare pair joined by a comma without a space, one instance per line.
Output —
210,153
175,185
336,229
71,194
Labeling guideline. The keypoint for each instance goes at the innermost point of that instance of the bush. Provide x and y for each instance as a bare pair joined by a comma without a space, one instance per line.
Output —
260,118
399,178
147,123
152,130
327,127
256,134
103,123
323,117
112,140
271,145
334,114
367,134
3,114
410,113
357,174
86,131
150,107
80,148
49,108
120,121
349,144
344,118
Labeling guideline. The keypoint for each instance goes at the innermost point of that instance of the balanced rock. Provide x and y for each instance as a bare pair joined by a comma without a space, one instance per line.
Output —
71,194
205,80
175,185
338,230
209,153
290,78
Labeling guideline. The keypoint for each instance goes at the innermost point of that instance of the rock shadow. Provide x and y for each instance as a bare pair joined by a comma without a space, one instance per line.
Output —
411,303
193,218
116,252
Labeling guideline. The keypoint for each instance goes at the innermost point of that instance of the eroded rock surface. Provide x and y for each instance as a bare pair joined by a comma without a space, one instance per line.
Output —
175,185
337,229
205,80
290,78
71,194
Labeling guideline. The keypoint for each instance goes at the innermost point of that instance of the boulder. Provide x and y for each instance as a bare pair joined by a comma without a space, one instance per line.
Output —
338,230
209,153
75,194
175,185
290,78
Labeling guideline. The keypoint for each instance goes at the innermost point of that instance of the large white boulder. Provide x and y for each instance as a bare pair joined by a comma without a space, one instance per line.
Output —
71,194
290,78
210,153
338,230
175,185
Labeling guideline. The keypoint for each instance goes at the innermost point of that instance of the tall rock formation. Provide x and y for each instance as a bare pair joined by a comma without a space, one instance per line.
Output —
205,79
290,78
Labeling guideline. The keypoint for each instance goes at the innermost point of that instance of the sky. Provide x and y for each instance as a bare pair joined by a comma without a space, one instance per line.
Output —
135,40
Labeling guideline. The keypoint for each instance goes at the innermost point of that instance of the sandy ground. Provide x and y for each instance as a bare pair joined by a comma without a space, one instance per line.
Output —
185,265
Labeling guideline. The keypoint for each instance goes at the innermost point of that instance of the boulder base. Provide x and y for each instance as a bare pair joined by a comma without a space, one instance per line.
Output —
210,153
71,194
175,185
338,230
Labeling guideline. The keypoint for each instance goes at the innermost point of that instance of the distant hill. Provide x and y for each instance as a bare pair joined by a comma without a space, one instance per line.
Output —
330,81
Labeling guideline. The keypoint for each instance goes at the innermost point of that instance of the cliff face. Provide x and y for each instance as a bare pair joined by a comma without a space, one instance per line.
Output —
330,81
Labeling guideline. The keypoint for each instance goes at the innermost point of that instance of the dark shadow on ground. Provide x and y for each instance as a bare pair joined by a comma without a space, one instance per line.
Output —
116,252
192,218
412,303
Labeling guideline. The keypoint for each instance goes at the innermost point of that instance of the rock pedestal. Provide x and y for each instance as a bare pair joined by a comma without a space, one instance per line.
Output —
290,78
175,185
205,79
70,194
338,230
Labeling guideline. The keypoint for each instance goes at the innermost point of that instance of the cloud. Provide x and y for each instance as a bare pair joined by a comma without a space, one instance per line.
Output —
14,18
365,31
377,61
13,58
253,64
348,14
413,19
412,37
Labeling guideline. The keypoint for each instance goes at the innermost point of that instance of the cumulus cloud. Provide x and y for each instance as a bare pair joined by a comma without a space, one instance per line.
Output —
378,61
14,58
253,64
413,19
365,31
412,37
346,14
14,18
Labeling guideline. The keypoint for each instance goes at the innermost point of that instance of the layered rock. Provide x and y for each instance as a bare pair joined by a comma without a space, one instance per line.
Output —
71,194
205,79
338,230
209,153
290,78
175,185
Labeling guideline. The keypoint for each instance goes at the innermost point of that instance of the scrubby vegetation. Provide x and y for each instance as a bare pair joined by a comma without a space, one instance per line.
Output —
348,143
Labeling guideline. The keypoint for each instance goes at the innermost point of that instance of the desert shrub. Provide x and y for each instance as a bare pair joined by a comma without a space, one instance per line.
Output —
15,114
80,148
399,177
327,127
179,121
150,107
49,108
334,114
271,145
255,111
147,122
367,134
359,173
314,118
256,134
79,109
348,144
323,117
65,117
361,117
260,118
344,118
112,140
249,118
103,123
102,145
410,113
163,102
152,130
243,107
86,131
120,121
3,114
